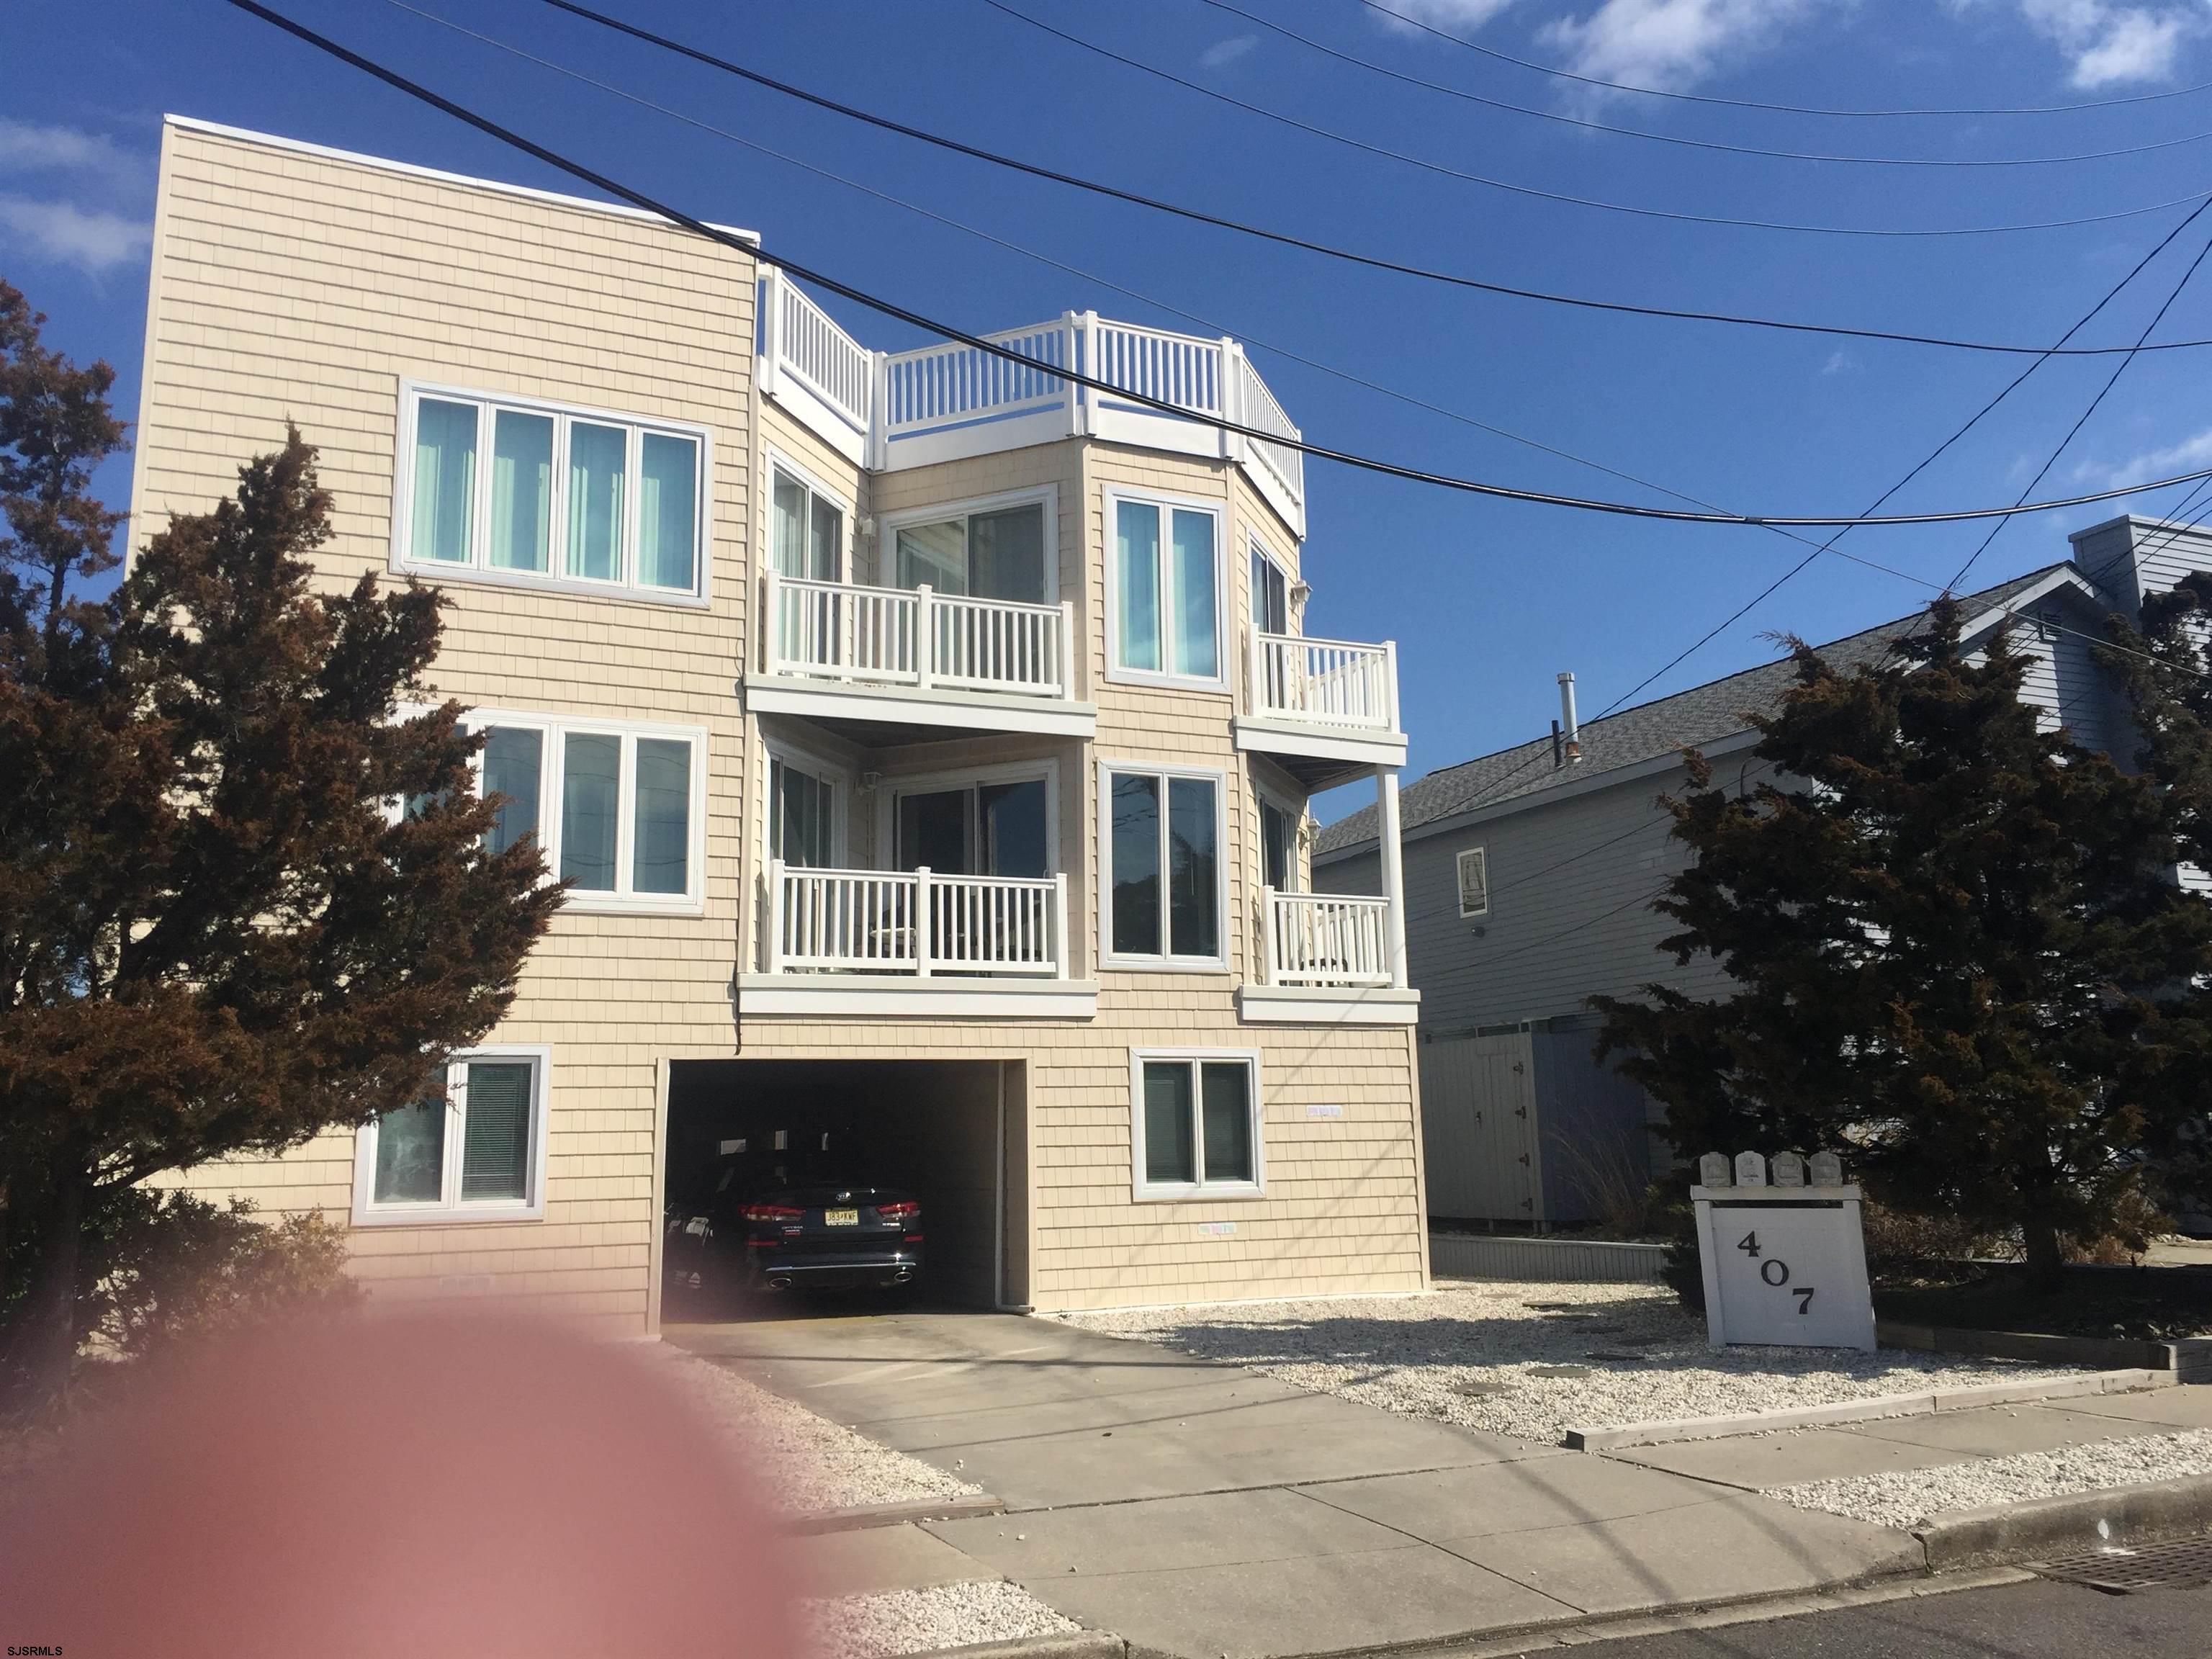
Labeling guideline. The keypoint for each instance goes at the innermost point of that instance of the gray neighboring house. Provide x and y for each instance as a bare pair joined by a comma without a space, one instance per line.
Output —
1529,875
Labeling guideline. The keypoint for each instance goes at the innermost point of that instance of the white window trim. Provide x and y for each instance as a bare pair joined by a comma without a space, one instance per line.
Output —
1291,808
1217,681
775,460
411,392
1046,771
1108,957
812,762
888,525
451,1210
1157,1192
553,728
1459,881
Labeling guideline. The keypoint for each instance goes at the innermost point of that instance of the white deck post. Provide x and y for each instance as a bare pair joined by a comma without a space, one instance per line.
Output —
771,315
1232,398
1267,925
1067,664
1086,363
775,916
1059,946
922,943
924,643
1393,874
1256,697
880,443
1390,686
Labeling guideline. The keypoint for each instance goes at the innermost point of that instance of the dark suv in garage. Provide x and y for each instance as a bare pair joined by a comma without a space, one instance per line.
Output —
828,1235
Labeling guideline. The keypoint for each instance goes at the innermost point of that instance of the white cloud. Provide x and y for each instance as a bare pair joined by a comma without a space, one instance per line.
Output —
1840,362
1668,45
92,240
1229,50
100,224
2187,456
1457,16
26,147
2111,44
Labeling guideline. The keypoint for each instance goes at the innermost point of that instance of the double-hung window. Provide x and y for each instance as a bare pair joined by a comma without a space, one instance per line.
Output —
1163,880
1474,863
1167,590
518,491
474,1152
1194,1124
995,553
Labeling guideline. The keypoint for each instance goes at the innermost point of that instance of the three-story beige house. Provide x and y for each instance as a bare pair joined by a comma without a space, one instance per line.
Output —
926,741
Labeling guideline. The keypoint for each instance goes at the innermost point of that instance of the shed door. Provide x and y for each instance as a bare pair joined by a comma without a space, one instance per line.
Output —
1479,1128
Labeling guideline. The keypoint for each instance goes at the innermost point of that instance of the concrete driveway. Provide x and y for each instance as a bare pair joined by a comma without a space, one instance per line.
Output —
1202,1509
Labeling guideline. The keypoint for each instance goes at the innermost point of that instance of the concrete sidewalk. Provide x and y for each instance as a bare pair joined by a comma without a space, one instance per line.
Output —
1202,1509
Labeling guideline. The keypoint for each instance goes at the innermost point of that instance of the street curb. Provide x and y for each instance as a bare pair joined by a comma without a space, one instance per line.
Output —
1075,1644
861,1516
2076,1522
1865,1410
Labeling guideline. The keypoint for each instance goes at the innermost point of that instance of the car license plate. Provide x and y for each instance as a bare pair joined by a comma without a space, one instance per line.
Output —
840,1218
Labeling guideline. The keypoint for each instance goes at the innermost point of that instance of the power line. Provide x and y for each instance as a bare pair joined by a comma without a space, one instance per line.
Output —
1781,109
1284,239
993,349
1211,324
1565,119
2113,379
1563,197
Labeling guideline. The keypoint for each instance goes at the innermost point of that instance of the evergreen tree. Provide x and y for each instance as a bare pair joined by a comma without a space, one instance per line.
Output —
217,934
1957,952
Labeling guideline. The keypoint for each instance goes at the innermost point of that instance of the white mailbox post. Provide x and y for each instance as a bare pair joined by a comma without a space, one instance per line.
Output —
1785,1263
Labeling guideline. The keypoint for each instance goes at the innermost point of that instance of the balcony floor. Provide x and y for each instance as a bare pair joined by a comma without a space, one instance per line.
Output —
1320,756
882,716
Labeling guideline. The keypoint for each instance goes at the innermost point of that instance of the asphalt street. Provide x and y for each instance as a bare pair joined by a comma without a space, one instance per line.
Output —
2036,1619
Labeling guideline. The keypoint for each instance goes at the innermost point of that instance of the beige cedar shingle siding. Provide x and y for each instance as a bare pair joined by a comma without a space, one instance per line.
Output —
299,286
291,286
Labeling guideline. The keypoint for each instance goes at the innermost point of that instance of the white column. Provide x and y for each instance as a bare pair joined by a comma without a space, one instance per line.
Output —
1393,872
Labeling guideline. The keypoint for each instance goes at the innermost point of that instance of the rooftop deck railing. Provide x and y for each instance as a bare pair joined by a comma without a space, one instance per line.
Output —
936,403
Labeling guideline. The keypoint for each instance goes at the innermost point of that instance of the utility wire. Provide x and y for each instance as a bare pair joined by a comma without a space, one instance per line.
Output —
1565,119
1781,109
753,249
1563,197
1325,250
1211,324
2113,379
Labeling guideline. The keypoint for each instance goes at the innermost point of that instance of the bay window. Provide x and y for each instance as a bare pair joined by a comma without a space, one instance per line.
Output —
514,490
1167,590
1162,885
471,1151
1194,1124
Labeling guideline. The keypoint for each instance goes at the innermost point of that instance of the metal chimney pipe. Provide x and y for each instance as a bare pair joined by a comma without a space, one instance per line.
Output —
1567,717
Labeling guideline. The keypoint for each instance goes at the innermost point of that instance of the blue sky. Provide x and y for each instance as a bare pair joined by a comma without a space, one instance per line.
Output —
1487,601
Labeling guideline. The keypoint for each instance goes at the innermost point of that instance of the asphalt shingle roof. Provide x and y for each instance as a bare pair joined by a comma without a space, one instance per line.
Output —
1702,715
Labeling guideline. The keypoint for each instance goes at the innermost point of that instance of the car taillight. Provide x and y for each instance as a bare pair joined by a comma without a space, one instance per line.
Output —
772,1212
904,1209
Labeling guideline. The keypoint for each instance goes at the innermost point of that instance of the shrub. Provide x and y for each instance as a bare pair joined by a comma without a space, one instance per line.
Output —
162,1268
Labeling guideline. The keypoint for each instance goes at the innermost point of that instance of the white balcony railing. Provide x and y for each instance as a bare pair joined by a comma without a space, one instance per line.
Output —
1325,683
799,339
1325,939
877,922
916,637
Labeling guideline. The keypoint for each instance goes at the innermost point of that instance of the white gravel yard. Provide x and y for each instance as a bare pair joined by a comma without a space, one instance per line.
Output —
1535,1359
1906,1498
805,1461
922,1620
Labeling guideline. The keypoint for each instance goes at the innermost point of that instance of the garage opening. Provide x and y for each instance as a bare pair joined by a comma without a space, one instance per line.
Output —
951,1133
